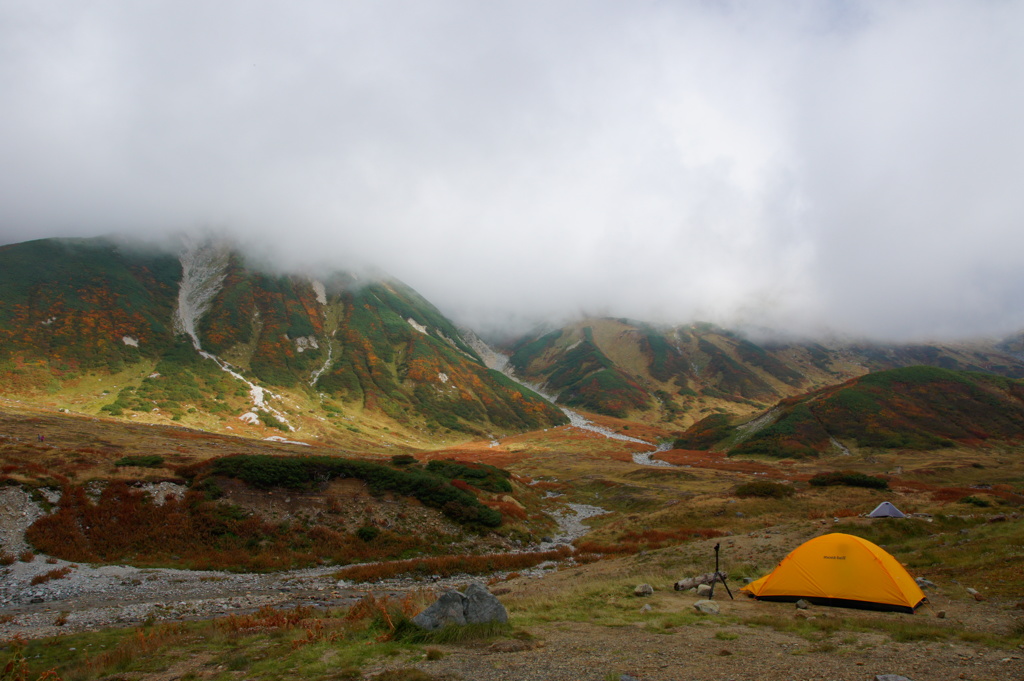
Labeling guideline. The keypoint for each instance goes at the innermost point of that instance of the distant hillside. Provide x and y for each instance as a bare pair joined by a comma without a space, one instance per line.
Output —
207,338
681,374
909,408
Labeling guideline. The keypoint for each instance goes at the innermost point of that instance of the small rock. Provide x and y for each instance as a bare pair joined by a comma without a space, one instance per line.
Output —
703,590
978,597
941,614
971,591
925,583
802,604
646,608
890,677
643,590
627,677
707,607
1001,518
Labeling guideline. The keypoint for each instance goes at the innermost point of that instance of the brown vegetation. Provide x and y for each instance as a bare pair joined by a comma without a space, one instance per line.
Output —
446,566
124,524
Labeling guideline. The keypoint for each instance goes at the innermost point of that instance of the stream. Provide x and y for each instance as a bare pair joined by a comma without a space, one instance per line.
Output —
577,420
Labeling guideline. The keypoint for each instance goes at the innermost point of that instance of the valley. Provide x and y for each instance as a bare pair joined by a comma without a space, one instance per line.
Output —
213,470
651,524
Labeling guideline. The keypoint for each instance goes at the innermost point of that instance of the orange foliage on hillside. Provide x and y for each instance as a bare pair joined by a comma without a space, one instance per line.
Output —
124,524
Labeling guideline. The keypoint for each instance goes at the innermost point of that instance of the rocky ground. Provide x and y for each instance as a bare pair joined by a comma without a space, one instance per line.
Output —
579,652
93,597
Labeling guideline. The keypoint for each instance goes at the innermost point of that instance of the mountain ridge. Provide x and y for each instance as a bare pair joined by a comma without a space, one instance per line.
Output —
209,333
208,337
910,408
677,375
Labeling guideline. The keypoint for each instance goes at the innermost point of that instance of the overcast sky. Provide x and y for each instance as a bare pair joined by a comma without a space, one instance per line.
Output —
853,166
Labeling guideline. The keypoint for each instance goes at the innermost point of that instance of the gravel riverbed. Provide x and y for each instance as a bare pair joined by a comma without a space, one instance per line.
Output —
92,597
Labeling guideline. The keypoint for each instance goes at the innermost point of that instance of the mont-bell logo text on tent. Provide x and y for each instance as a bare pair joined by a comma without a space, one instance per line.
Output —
834,557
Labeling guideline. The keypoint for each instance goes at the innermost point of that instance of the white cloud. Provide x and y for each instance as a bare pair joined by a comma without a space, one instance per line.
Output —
851,164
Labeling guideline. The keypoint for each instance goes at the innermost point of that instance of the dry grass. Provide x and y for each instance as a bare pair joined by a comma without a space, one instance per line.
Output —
59,573
446,566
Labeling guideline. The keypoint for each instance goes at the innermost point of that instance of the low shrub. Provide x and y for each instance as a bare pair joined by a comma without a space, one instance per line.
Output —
306,471
479,475
59,573
367,533
144,461
849,479
765,489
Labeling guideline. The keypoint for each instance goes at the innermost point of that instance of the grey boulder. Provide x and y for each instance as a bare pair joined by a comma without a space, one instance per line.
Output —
481,606
450,608
476,606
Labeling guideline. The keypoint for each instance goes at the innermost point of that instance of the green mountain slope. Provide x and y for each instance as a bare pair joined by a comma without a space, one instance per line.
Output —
680,375
73,302
75,314
917,407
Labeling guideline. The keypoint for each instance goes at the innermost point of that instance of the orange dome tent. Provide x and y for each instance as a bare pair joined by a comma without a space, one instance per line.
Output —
840,570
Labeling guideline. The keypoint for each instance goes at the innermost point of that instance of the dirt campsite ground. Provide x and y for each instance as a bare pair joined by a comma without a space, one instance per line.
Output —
653,638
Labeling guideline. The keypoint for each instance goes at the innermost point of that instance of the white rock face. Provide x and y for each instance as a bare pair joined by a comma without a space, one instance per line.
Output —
128,340
418,327
320,291
303,343
203,267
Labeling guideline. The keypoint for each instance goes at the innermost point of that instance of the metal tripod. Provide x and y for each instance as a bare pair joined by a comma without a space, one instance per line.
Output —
719,576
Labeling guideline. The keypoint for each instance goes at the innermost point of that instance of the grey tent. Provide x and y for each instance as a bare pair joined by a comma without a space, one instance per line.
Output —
886,510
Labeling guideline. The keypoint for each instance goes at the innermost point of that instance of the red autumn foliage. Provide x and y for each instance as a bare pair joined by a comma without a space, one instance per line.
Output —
125,525
507,509
451,565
